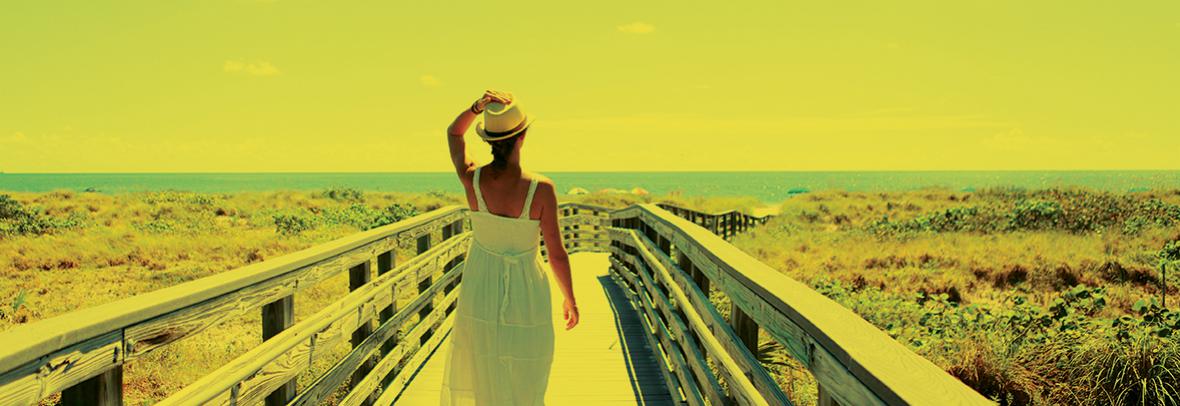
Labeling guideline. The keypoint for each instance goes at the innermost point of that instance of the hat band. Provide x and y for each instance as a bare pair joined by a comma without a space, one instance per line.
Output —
499,135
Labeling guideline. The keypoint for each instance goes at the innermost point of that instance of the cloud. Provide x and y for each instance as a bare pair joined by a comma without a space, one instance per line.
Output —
429,81
259,68
637,28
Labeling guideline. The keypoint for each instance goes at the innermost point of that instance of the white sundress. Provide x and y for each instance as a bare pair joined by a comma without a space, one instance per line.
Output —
501,345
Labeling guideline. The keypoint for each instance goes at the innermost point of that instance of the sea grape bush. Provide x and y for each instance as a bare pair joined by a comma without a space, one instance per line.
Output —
357,215
1061,352
343,194
1072,211
18,219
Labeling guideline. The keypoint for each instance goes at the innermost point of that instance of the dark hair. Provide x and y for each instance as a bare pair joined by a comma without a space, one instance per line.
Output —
501,149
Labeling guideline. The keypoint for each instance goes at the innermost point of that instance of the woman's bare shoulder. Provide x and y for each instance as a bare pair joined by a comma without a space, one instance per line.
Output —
545,185
537,176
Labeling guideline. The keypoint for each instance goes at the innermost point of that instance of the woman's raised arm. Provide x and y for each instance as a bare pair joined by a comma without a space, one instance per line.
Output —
458,129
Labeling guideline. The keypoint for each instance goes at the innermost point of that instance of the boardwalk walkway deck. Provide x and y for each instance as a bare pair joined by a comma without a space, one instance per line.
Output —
603,361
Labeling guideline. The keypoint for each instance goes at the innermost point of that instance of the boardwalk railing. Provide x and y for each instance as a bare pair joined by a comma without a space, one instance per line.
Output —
666,263
725,224
670,264
81,354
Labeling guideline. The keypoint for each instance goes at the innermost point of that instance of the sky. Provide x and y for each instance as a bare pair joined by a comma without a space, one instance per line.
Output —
345,86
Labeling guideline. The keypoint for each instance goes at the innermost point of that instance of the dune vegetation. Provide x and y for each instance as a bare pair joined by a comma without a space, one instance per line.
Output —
64,250
1030,297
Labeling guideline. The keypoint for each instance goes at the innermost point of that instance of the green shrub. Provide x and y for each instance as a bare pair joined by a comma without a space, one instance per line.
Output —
343,194
1018,352
1073,211
292,224
364,217
1035,215
181,197
18,219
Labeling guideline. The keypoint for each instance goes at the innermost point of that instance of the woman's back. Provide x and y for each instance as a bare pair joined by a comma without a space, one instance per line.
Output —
502,232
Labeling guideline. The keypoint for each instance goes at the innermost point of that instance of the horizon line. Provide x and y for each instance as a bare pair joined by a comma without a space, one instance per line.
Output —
601,171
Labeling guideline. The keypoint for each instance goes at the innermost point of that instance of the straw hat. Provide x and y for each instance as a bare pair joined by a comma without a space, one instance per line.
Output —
503,121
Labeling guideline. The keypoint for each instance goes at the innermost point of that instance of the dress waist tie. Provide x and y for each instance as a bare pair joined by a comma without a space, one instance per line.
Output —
515,263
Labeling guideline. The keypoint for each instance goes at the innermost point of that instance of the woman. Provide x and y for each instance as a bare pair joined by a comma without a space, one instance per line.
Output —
502,340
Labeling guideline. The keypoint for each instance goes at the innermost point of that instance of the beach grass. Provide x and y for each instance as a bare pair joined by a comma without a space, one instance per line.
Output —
1030,297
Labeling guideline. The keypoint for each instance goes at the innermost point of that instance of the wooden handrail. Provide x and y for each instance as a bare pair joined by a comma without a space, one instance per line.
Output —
663,258
725,224
52,355
263,368
854,362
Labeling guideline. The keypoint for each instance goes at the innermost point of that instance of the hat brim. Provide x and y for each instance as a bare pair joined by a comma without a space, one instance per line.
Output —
528,121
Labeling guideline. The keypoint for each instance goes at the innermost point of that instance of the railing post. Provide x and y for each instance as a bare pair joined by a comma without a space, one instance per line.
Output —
744,326
358,276
276,317
695,273
385,262
423,246
825,396
105,389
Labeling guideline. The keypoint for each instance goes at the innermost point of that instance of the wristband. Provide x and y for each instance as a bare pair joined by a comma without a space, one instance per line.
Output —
472,109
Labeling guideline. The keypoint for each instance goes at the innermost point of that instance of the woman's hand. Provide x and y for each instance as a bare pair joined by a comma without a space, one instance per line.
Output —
491,96
570,311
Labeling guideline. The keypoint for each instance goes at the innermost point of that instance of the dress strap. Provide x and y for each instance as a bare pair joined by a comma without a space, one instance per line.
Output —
479,195
528,200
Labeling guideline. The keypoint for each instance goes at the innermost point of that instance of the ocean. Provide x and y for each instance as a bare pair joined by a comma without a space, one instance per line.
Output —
766,186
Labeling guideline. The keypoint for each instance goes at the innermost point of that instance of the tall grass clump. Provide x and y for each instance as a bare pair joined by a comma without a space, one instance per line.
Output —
1040,297
18,219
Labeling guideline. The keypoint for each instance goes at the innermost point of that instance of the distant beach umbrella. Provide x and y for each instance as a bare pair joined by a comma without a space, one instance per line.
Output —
578,191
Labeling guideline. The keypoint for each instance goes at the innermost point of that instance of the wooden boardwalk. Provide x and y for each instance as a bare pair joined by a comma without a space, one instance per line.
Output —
605,360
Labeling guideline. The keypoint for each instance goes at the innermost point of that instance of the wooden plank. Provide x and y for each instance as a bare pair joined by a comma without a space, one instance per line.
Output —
266,366
774,301
66,368
685,345
276,317
673,358
31,341
385,262
745,328
359,276
672,384
712,324
104,389
157,332
327,383
420,352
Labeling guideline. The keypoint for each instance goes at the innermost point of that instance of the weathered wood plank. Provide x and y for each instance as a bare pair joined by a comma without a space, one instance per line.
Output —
707,322
276,317
335,376
104,389
31,341
673,357
63,369
263,368
671,382
414,345
885,367
359,276
678,333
